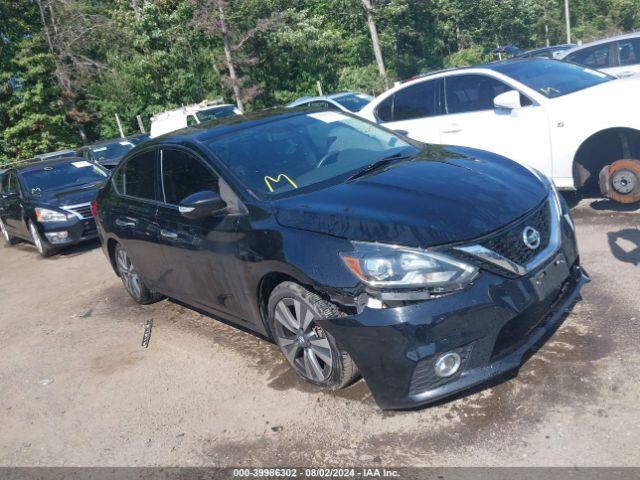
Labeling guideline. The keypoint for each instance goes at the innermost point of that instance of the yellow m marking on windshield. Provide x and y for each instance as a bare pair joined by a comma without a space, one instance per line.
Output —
268,180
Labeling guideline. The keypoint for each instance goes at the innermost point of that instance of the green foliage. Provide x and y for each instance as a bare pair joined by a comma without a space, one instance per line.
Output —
465,57
138,57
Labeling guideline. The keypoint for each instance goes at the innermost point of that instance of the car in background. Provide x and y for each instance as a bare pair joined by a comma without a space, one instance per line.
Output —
48,203
138,138
553,51
346,102
425,269
106,153
567,121
68,153
190,115
618,56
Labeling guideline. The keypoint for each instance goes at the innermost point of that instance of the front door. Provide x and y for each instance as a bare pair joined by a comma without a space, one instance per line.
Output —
521,134
201,255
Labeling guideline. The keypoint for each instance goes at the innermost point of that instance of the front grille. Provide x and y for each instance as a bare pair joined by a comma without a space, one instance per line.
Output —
83,210
510,243
515,331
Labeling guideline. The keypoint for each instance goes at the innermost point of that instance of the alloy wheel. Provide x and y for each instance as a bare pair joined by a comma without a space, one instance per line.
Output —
5,234
36,238
128,273
302,341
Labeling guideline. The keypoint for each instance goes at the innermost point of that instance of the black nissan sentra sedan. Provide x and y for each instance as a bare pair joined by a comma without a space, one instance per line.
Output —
424,269
49,203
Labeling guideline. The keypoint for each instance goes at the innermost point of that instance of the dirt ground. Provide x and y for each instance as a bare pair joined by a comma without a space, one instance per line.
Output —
77,389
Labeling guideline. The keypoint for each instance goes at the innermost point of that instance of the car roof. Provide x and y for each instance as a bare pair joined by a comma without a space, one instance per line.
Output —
43,163
54,154
603,41
489,66
564,46
208,131
332,96
106,142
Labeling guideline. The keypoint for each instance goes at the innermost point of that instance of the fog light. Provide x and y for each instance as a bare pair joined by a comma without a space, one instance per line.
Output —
57,237
447,364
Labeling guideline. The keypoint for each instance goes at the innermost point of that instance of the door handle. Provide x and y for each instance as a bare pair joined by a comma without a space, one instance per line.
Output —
169,234
453,128
125,223
626,74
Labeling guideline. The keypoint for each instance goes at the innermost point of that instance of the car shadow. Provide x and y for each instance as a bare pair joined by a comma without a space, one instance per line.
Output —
79,249
625,245
605,204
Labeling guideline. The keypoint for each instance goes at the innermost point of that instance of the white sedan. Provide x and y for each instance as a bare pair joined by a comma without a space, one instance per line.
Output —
564,120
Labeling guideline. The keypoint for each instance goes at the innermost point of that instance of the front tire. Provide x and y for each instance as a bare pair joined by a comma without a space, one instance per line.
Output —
44,249
133,283
6,236
310,350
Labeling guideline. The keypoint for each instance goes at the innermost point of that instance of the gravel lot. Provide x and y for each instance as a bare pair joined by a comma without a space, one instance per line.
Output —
76,388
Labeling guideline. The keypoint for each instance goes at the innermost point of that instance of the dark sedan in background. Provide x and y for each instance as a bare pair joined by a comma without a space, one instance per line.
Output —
49,203
425,269
108,153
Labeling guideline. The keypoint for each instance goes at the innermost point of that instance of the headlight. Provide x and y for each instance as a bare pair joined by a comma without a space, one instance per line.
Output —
46,215
388,266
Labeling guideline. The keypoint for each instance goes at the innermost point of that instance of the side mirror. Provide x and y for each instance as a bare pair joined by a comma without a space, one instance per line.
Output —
201,204
508,100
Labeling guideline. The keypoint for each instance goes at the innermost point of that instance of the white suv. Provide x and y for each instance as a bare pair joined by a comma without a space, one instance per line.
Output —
619,56
564,120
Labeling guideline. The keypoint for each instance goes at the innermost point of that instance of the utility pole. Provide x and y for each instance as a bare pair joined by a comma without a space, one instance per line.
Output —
568,20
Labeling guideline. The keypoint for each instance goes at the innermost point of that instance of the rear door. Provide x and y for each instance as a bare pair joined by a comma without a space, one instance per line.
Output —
201,255
134,214
627,58
472,121
414,111
599,57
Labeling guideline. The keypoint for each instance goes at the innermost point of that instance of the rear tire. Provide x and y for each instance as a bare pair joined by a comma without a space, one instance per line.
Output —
133,283
44,249
311,351
6,236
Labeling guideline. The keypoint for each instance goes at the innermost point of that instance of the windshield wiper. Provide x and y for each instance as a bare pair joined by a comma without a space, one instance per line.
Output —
379,165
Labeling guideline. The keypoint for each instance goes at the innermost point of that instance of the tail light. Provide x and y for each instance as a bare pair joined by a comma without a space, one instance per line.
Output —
94,208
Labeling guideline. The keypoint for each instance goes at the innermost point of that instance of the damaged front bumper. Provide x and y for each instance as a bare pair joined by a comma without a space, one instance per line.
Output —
492,326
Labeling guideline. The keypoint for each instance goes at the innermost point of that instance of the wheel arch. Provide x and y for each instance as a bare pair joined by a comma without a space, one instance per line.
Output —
603,148
111,252
267,284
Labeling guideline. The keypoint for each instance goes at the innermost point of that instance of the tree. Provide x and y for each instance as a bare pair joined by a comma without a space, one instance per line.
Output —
211,17
375,41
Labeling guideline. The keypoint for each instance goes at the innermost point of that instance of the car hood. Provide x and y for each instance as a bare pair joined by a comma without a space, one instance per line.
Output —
618,96
444,195
72,196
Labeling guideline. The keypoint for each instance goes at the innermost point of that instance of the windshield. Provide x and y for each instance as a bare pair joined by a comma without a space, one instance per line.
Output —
552,78
293,153
216,113
111,151
60,176
354,101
